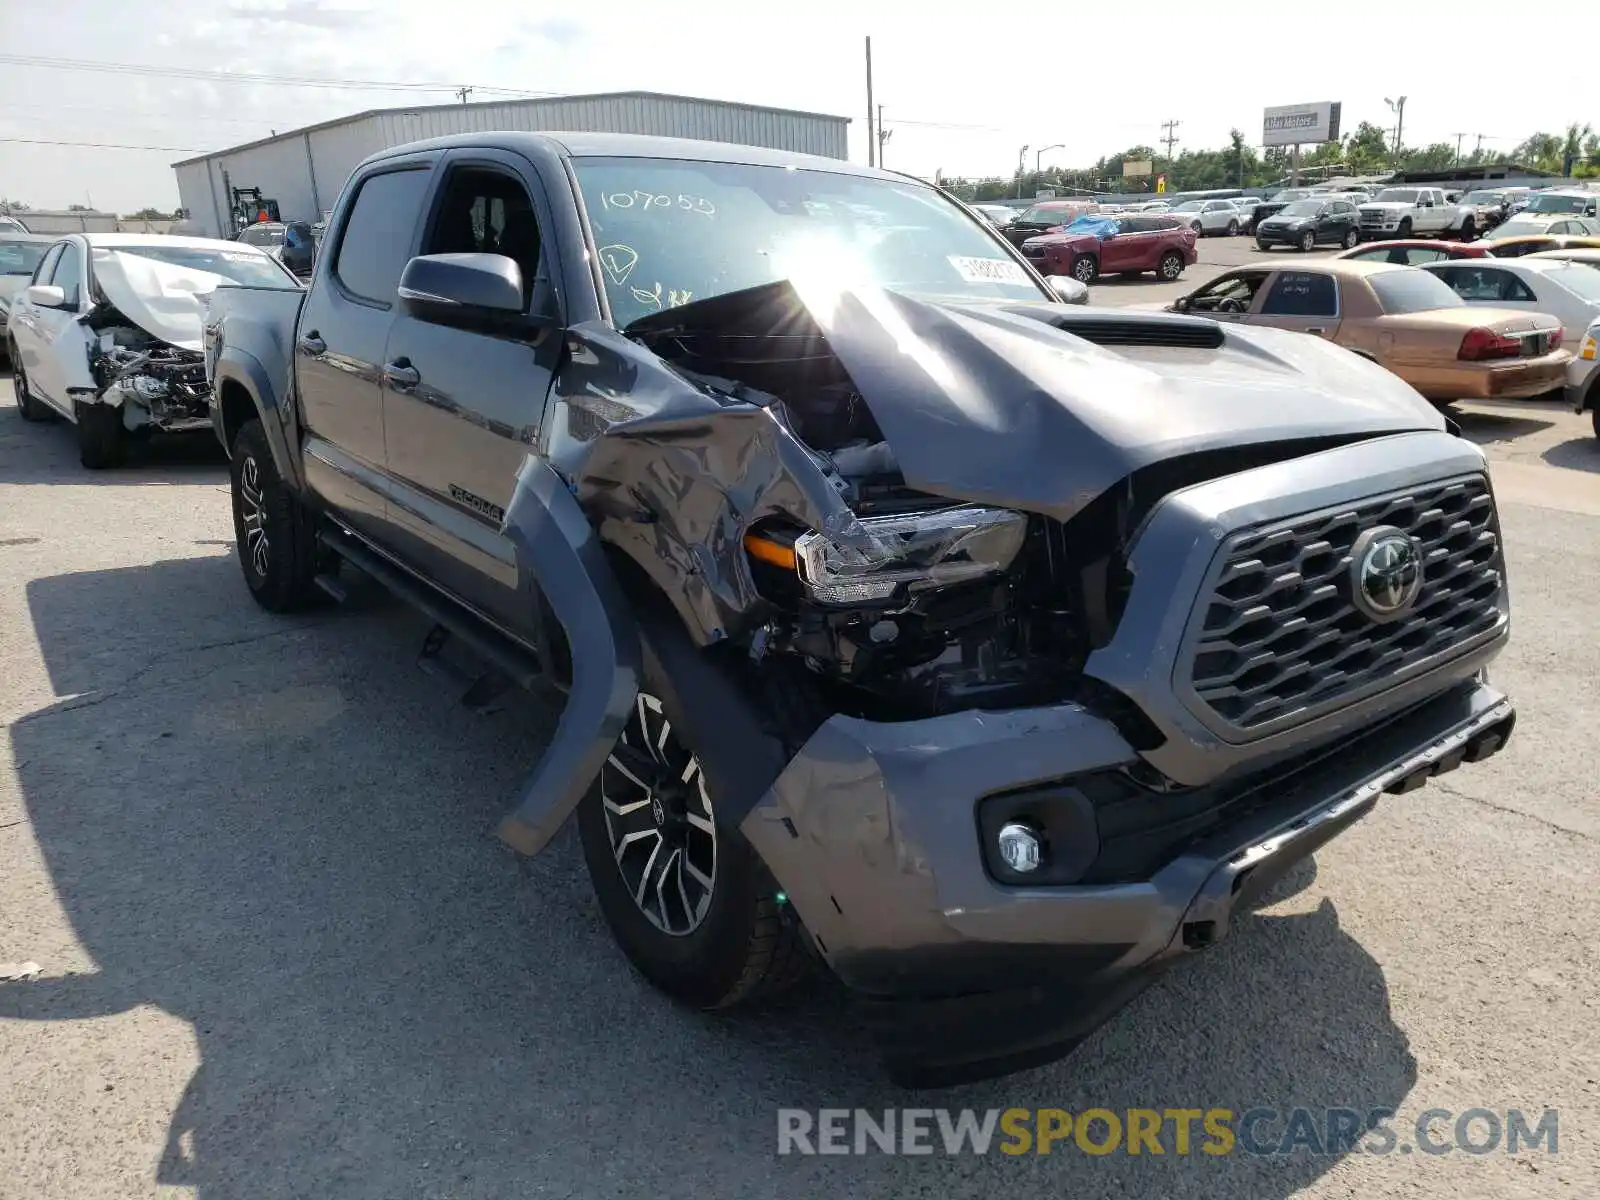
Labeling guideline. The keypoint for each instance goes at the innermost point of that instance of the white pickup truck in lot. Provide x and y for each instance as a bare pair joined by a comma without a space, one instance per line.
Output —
1402,212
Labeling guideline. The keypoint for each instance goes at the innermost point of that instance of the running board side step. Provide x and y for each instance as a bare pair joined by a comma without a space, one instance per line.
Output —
511,663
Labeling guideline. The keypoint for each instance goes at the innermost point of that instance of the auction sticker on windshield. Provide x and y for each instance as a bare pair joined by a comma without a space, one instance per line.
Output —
987,270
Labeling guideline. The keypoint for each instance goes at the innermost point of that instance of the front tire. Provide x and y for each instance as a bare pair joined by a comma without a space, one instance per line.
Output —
1308,242
686,899
1469,230
1404,231
1594,420
100,436
1233,228
1086,268
28,408
1351,239
1170,266
275,534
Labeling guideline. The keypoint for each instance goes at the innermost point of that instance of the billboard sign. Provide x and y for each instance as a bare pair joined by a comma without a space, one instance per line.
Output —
1301,124
1141,166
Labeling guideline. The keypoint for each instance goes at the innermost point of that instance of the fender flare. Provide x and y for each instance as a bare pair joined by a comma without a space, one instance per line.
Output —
241,368
559,554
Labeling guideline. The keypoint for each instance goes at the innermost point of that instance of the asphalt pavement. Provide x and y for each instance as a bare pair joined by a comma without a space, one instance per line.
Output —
274,949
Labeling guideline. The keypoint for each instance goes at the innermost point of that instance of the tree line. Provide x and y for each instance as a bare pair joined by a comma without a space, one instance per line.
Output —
1239,165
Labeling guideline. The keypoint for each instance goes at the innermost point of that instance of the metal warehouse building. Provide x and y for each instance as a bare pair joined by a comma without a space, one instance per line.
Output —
304,169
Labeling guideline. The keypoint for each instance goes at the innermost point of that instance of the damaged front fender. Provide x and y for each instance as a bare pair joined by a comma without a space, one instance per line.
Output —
559,554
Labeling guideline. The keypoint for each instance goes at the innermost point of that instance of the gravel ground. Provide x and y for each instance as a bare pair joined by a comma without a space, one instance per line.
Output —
281,954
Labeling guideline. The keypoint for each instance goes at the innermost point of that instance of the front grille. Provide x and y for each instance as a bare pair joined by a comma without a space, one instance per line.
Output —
1372,218
1279,640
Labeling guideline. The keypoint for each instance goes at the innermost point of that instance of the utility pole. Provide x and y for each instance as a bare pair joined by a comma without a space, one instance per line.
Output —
1022,161
464,92
883,135
1171,138
872,137
1459,136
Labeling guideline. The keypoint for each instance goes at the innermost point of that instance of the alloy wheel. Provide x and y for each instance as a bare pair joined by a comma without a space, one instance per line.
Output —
659,821
253,515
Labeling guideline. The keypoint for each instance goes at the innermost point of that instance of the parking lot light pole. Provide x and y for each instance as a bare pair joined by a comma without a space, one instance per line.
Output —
1039,154
1398,107
1022,161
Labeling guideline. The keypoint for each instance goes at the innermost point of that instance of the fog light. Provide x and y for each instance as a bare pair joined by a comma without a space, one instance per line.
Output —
1020,847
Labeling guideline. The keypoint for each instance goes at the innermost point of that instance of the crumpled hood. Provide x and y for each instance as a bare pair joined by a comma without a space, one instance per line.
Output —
991,402
162,299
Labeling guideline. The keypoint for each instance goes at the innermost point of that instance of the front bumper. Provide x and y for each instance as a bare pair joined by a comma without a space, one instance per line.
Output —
872,832
1286,236
1580,373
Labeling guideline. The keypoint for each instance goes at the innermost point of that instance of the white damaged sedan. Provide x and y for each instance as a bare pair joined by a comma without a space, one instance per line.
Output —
107,334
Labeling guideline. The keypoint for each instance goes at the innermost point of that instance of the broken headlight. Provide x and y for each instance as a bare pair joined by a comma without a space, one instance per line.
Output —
908,552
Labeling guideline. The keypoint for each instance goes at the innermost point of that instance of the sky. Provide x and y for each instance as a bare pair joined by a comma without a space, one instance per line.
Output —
961,90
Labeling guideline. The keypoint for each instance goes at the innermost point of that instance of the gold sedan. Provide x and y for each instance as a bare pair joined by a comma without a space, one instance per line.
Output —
1400,317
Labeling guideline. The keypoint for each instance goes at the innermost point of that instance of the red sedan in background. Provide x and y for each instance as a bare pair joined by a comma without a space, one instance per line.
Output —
1126,245
1413,252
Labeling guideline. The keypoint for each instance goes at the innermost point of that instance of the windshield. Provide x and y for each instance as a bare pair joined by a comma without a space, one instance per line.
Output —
1188,206
20,258
1513,229
1303,208
246,268
670,231
1580,278
1548,203
1288,194
1412,290
262,235
1046,216
1483,198
1398,195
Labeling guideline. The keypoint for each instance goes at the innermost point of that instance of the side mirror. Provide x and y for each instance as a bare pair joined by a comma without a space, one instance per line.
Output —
1181,304
1068,290
462,289
46,295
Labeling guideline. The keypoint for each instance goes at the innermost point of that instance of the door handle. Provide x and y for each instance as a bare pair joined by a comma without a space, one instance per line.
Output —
401,375
1316,329
312,344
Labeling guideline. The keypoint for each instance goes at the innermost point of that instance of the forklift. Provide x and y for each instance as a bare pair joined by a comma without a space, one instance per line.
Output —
251,208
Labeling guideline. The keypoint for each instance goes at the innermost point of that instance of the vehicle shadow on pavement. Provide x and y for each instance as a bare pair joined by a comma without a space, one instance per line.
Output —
47,453
1575,454
283,837
1486,428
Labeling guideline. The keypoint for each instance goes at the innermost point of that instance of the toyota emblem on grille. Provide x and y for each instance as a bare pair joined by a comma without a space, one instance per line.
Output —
1385,573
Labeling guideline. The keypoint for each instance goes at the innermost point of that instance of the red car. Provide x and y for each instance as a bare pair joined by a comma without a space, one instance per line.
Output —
1413,252
1124,245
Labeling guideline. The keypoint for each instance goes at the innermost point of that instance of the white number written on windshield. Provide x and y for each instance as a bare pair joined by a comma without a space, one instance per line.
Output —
651,200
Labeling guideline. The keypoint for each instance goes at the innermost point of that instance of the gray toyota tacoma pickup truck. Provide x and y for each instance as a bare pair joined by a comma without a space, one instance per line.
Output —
993,651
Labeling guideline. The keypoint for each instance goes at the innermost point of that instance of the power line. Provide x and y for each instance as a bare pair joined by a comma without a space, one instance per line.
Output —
100,145
212,76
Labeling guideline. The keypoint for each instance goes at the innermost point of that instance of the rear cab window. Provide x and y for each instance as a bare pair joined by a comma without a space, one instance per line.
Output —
375,243
1301,294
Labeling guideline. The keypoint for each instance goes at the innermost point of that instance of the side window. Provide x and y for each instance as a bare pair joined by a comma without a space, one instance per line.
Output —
1231,293
1137,225
1513,289
1414,256
1301,294
47,264
68,272
485,211
376,241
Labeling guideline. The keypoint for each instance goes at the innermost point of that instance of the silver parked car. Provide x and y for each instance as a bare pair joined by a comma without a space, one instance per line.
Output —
1210,216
